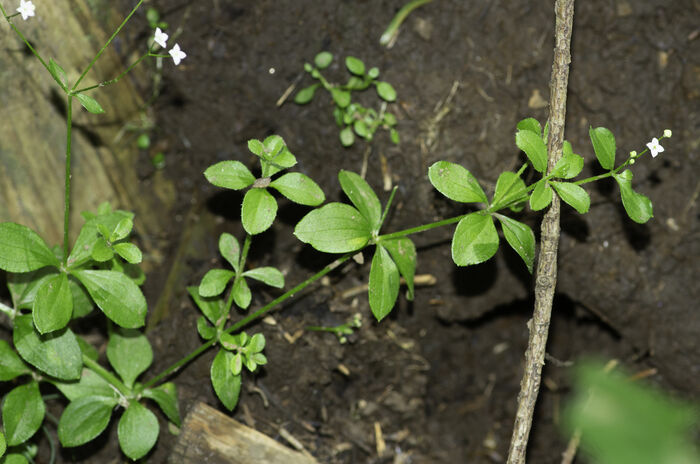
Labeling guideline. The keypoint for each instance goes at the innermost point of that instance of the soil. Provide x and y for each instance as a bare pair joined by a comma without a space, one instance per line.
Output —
440,376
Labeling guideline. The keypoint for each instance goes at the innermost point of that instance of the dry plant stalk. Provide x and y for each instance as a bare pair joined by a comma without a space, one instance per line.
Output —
546,279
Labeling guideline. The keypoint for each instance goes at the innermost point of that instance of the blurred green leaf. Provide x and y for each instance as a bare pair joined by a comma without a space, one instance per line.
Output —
386,91
604,146
258,211
347,137
137,431
340,97
322,61
456,183
129,252
23,250
394,134
306,94
475,239
355,65
574,195
58,73
229,174
334,228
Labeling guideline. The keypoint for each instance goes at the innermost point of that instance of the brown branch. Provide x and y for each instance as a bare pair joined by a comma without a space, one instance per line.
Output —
546,279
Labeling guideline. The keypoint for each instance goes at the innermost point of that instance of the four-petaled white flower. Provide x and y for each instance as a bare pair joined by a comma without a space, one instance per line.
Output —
654,147
26,9
177,54
161,38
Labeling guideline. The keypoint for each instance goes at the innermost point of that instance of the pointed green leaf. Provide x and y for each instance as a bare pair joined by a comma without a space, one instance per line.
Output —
58,73
530,124
383,283
23,412
347,137
277,156
11,365
130,353
256,147
475,240
574,195
520,237
334,228
541,197
53,305
386,91
403,252
340,97
267,275
510,189
230,249
89,384
534,147
84,419
226,385
229,174
57,353
306,94
323,60
214,282
355,65
604,146
89,103
456,183
299,188
122,230
22,250
258,211
241,293
129,252
137,431
362,196
212,308
637,206
569,165
116,295
165,396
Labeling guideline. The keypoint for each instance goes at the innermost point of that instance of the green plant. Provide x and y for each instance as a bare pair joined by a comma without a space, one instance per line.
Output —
341,330
352,117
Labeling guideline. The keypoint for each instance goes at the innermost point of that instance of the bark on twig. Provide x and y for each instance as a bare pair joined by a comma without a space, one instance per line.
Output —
546,278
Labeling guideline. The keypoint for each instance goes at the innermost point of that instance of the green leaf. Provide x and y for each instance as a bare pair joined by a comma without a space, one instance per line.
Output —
236,364
257,343
534,148
89,384
362,196
530,124
334,228
403,252
212,308
394,134
22,250
323,60
214,282
84,419
386,91
89,103
383,283
306,94
299,188
101,252
3,445
510,189
355,65
205,330
340,97
361,129
267,275
256,147
230,249
122,230
82,304
226,385
574,195
475,240
84,244
241,293
229,174
57,353
53,305
373,73
347,137
130,353
116,295
58,73
23,287
258,211
129,252
604,146
165,396
520,237
570,164
541,197
87,349
137,431
11,365
637,206
22,413
456,183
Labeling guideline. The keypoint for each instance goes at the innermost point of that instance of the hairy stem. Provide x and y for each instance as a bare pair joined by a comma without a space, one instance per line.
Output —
545,281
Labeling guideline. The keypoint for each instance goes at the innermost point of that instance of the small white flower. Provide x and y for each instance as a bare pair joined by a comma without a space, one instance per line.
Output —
655,147
26,9
668,133
161,38
178,55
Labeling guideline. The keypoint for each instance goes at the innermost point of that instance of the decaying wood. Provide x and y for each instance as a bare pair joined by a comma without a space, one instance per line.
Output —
546,278
209,436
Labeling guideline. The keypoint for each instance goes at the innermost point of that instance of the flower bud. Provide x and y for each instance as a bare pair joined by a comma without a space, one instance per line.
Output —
667,133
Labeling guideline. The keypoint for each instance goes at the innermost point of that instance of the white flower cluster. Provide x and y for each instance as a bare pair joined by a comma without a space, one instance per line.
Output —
161,38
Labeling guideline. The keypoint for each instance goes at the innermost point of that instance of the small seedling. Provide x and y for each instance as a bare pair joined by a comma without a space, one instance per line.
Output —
342,330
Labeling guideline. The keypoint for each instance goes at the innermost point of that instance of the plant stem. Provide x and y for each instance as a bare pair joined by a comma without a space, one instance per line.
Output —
545,281
7,310
422,228
248,319
66,206
116,79
108,376
104,47
393,29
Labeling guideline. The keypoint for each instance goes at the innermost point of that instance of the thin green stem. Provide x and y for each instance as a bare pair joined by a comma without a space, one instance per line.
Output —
393,29
388,204
423,228
108,376
116,79
66,206
7,310
248,319
104,47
